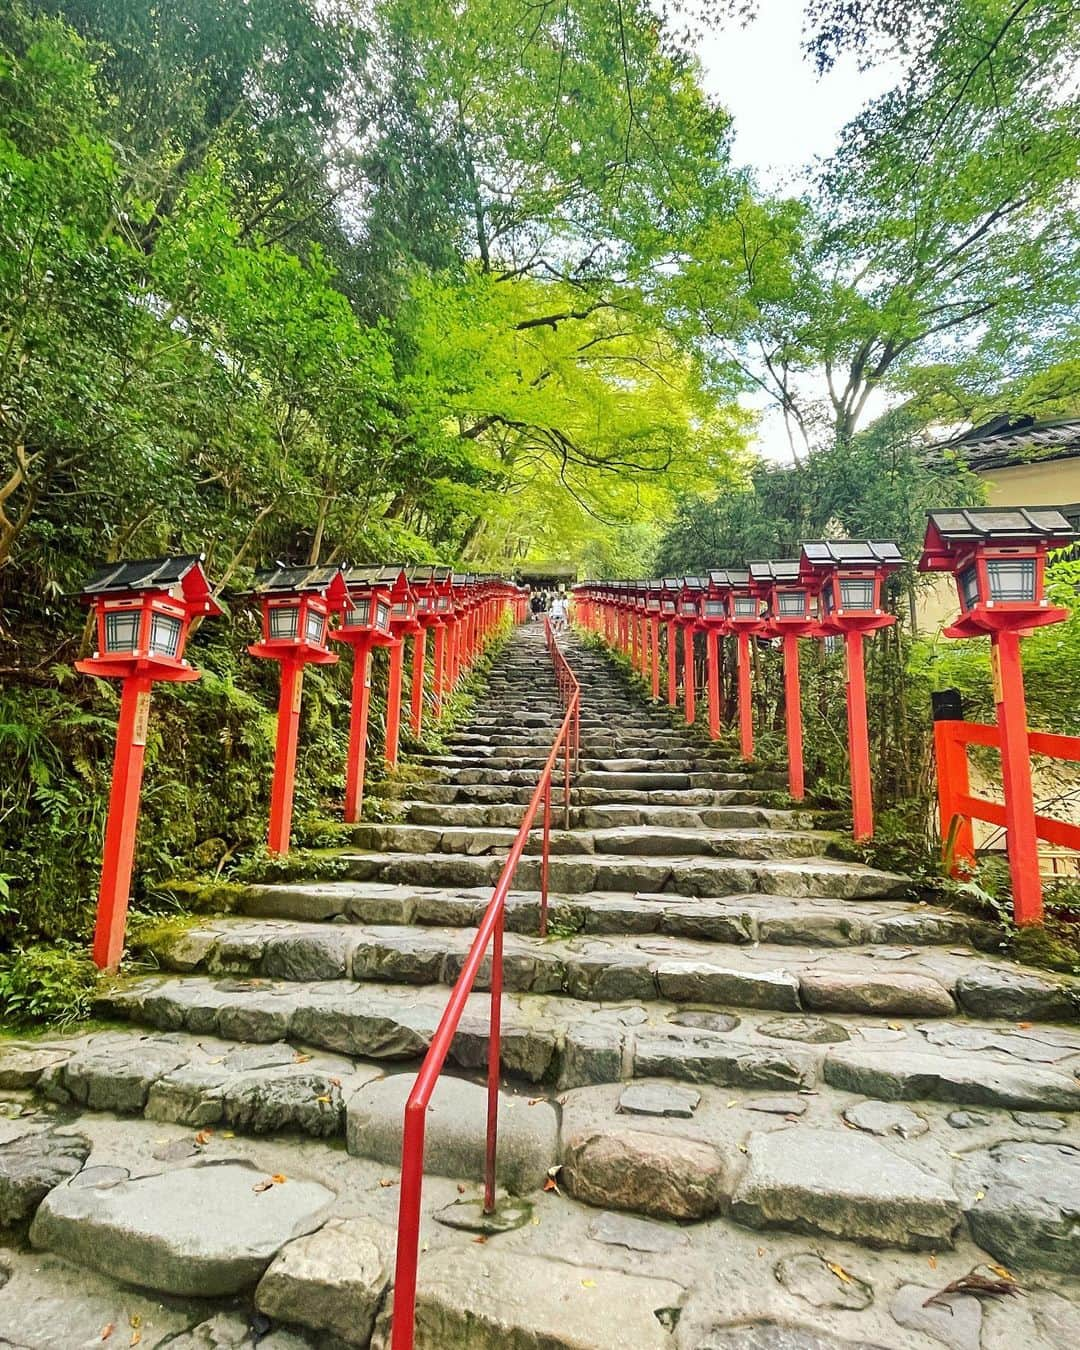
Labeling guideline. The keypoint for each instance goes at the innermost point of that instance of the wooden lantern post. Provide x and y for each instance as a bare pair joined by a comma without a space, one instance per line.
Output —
848,575
143,612
297,606
998,557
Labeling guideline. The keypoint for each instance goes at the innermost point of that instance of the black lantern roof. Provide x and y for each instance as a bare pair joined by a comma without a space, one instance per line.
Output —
293,580
734,577
671,584
148,574
983,524
825,554
694,583
784,572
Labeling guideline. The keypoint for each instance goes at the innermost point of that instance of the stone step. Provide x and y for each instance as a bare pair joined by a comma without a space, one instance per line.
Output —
552,1271
739,919
886,981
572,1043
534,761
634,841
447,792
509,815
576,874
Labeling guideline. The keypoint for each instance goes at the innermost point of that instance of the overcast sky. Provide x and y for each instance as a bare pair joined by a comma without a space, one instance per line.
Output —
785,115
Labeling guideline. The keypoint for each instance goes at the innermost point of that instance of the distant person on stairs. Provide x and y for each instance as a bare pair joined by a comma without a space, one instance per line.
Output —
558,613
537,604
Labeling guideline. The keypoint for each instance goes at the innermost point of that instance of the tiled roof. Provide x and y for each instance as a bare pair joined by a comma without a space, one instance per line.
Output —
1017,522
784,570
1006,441
868,552
147,574
293,579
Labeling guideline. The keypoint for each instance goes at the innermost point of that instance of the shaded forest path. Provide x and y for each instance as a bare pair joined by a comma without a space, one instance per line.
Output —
782,1100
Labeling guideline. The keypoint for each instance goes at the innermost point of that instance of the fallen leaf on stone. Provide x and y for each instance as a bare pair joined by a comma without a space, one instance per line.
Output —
588,1284
334,1082
1002,1273
203,1137
839,1272
552,1185
1025,1026
536,1223
535,1101
731,1104
107,1330
135,1320
480,1240
979,1195
931,1261
136,1337
323,1098
461,1189
300,1059
979,1285
228,1134
279,1178
387,1181
896,1026
761,1251
261,1186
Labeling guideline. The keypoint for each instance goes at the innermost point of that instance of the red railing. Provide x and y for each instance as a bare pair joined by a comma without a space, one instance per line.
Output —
567,745
958,807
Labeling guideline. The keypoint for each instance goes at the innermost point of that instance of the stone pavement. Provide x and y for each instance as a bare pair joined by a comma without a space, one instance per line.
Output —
782,1100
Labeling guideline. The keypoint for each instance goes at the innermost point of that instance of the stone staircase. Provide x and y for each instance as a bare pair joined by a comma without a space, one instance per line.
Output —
756,1096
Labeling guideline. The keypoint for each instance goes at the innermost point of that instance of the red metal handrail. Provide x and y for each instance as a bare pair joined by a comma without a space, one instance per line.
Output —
490,931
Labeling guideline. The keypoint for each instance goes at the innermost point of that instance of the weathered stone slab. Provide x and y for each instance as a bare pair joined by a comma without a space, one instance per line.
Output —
636,1235
456,1130
907,1075
658,1099
31,1165
843,1185
22,1065
703,982
705,1058
331,1280
810,1277
953,1319
1017,996
1022,1202
658,1174
113,1077
488,1299
208,1230
886,1118
808,1030
866,992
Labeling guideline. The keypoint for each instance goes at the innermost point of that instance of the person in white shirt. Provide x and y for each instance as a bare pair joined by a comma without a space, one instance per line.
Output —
558,613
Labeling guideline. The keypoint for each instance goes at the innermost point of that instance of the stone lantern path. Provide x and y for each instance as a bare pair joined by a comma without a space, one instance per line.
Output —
756,1097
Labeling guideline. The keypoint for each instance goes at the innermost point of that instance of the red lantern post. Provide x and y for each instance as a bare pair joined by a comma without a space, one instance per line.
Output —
143,612
690,597
430,585
365,625
653,594
713,619
745,620
849,574
998,557
669,609
790,615
297,604
403,624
